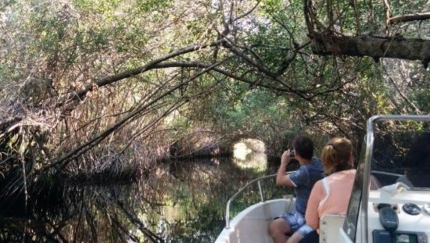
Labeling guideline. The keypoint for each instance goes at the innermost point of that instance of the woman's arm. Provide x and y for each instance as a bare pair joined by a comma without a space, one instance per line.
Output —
312,216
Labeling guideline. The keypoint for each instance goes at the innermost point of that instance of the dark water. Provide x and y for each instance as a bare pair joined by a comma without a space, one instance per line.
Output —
181,202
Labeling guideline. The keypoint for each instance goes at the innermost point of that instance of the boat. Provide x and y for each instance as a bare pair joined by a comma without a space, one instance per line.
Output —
396,211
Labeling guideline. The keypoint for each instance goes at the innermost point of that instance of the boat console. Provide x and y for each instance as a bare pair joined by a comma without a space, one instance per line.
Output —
399,219
397,157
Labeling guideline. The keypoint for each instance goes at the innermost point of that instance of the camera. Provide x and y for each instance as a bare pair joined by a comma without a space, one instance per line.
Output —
291,153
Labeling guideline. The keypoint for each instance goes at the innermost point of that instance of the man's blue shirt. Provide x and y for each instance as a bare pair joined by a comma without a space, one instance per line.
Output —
304,179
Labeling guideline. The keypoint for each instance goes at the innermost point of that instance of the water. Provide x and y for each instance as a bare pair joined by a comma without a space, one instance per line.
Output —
181,203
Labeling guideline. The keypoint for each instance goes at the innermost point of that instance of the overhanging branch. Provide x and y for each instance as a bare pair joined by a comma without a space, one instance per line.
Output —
408,17
372,46
80,94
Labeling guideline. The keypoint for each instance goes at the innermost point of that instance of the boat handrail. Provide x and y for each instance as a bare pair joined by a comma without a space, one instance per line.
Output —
386,173
227,210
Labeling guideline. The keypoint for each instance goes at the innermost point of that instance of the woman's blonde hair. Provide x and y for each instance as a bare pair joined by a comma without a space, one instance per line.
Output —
336,154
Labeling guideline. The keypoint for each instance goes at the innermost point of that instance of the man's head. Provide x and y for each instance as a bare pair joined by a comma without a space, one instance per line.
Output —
304,146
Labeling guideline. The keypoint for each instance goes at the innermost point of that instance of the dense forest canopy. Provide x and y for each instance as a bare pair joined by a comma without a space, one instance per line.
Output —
90,84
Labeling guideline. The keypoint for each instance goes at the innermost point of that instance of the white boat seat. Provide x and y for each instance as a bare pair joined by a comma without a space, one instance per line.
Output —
329,228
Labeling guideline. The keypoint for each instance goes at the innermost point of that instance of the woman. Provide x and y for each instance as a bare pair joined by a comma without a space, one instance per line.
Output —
331,194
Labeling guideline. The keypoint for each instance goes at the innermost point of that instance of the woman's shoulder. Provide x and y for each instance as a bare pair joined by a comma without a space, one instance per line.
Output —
351,172
319,184
347,172
342,174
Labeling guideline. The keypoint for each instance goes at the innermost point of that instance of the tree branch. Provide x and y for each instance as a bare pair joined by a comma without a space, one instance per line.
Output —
372,46
408,17
75,153
80,94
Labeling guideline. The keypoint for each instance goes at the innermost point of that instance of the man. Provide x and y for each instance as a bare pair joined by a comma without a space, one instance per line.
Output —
311,170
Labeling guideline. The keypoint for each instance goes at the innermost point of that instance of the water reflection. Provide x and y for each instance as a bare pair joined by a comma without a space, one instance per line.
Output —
184,204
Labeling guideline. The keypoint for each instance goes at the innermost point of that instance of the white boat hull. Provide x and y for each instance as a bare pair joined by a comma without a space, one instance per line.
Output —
252,224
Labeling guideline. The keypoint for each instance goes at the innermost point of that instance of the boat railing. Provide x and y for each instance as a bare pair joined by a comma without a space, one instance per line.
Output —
385,173
260,190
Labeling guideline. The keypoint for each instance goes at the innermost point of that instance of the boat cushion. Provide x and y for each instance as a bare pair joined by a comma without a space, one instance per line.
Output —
330,225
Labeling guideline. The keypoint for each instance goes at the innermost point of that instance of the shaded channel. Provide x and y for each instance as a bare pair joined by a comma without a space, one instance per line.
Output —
180,203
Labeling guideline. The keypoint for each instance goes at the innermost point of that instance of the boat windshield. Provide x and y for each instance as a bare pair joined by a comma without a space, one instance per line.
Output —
397,157
402,157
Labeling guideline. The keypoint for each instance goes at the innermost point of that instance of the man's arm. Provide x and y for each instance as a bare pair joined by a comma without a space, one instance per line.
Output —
281,178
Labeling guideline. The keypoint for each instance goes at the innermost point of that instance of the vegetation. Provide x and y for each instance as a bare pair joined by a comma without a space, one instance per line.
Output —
114,88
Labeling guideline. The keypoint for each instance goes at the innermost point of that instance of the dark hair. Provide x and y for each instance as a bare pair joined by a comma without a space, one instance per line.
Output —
304,146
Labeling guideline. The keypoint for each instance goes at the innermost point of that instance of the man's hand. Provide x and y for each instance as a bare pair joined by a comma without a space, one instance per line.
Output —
281,177
285,158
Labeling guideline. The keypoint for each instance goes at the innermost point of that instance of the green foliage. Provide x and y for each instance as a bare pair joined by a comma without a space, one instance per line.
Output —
104,6
71,44
262,81
422,98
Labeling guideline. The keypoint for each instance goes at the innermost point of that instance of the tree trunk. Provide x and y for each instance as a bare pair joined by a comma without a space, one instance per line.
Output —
372,46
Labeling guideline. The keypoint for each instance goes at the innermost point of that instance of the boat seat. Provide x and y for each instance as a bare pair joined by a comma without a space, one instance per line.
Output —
329,227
